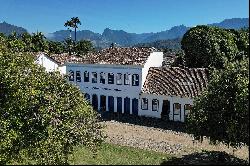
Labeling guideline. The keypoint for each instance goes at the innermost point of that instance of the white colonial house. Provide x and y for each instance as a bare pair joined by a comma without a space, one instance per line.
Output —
132,81
55,62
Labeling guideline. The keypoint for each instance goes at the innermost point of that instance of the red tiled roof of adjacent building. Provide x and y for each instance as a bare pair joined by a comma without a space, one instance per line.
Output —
175,81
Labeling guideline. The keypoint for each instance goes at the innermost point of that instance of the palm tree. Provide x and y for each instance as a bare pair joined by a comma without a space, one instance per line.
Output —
73,23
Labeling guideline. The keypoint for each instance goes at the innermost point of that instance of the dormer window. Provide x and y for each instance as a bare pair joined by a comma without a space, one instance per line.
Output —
78,76
126,79
71,75
110,78
119,79
135,80
102,78
86,76
94,77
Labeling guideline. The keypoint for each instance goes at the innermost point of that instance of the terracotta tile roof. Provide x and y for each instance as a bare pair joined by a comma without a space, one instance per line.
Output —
175,81
60,58
119,55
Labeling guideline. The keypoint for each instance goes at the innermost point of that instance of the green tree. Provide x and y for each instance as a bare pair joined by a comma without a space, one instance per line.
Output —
222,111
73,24
206,46
83,46
39,42
68,45
55,47
27,39
42,116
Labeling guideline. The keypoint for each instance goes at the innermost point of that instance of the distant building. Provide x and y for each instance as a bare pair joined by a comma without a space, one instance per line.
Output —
133,81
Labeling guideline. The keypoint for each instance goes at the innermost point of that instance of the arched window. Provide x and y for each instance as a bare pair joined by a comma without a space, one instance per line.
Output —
71,75
135,80
155,105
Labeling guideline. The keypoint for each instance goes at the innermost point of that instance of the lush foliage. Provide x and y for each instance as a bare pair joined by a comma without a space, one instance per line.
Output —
222,111
36,42
206,46
42,117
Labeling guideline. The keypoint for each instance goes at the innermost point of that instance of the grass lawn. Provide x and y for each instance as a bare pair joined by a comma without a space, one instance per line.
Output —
117,155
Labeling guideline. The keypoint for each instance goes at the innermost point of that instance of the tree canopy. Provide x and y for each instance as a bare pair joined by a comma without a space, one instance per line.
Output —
222,111
42,116
206,46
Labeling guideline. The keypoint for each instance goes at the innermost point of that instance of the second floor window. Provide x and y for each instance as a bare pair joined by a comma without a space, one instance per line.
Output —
135,80
71,75
119,79
94,77
126,79
102,78
86,76
144,104
78,76
110,78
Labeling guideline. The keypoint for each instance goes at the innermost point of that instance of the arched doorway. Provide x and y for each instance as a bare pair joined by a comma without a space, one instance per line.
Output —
95,101
135,106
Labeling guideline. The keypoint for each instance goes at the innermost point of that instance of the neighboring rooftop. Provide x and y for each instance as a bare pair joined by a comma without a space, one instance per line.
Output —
62,58
175,81
112,55
120,55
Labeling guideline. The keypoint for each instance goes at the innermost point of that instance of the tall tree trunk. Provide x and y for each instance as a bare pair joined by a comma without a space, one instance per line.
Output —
75,34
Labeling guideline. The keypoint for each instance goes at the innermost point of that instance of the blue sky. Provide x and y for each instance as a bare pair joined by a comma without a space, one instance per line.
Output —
130,15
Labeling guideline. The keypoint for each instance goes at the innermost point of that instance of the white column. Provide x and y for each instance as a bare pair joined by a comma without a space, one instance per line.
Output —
90,98
122,105
160,107
182,112
115,104
171,109
107,106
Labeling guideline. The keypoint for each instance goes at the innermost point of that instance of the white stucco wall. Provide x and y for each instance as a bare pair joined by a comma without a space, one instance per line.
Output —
154,60
108,89
160,98
49,64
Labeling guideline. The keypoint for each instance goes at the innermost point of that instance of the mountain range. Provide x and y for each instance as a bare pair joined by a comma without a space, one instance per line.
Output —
122,38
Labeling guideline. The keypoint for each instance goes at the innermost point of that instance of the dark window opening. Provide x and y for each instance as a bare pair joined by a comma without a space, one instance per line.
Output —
102,78
155,105
86,76
71,75
126,79
94,77
111,78
144,104
135,80
78,76
119,79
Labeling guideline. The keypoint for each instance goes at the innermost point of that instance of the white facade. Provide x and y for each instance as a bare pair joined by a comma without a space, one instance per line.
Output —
49,64
173,115
129,96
